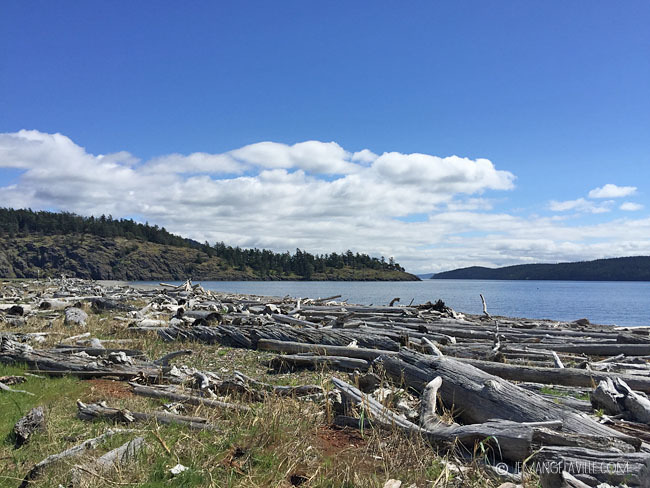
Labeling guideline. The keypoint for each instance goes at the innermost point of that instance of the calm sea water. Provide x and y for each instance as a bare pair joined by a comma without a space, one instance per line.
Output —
602,302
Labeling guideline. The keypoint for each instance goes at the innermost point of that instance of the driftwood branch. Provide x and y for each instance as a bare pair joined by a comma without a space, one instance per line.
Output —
38,468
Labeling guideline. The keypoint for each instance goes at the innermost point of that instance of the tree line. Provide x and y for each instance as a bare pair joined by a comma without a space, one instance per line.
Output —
26,221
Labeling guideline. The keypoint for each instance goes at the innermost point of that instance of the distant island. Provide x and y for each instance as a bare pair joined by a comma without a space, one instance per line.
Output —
636,268
40,244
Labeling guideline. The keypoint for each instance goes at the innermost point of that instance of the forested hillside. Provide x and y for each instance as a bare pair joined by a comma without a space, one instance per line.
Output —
636,268
48,243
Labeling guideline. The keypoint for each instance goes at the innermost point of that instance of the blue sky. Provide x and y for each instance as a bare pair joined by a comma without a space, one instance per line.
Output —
555,94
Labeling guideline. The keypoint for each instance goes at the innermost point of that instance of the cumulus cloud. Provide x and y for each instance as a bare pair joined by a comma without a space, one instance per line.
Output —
631,206
313,195
612,191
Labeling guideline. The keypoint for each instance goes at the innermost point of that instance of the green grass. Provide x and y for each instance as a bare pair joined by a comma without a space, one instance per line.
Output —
547,390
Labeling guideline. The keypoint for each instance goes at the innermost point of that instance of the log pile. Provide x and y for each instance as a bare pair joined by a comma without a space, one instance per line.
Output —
569,395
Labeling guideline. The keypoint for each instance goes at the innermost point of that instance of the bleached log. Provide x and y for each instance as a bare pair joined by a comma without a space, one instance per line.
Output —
599,349
37,469
616,397
172,393
324,349
248,336
479,396
556,376
431,347
313,361
117,458
428,416
300,390
557,360
515,439
287,319
164,361
94,411
4,387
485,312
591,466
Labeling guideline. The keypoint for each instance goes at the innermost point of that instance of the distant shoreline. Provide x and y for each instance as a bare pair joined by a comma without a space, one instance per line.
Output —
633,268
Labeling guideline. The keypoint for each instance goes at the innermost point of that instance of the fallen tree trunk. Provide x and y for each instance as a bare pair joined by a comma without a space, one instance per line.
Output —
172,393
617,398
116,364
248,336
73,451
591,466
290,361
598,349
479,396
94,411
509,440
299,347
115,459
556,376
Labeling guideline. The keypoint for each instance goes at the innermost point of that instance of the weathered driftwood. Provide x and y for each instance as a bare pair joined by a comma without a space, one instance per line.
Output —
429,399
514,439
114,459
479,396
172,393
75,316
33,421
291,361
4,387
38,468
599,349
252,389
557,376
94,411
325,349
53,361
164,361
247,336
591,466
617,398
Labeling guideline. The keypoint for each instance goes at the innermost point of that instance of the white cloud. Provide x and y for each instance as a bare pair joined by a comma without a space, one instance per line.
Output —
316,196
451,174
313,156
364,156
631,206
580,205
612,191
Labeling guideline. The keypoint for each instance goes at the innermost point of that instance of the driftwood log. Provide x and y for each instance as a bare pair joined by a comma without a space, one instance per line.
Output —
479,396
173,393
94,411
38,468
